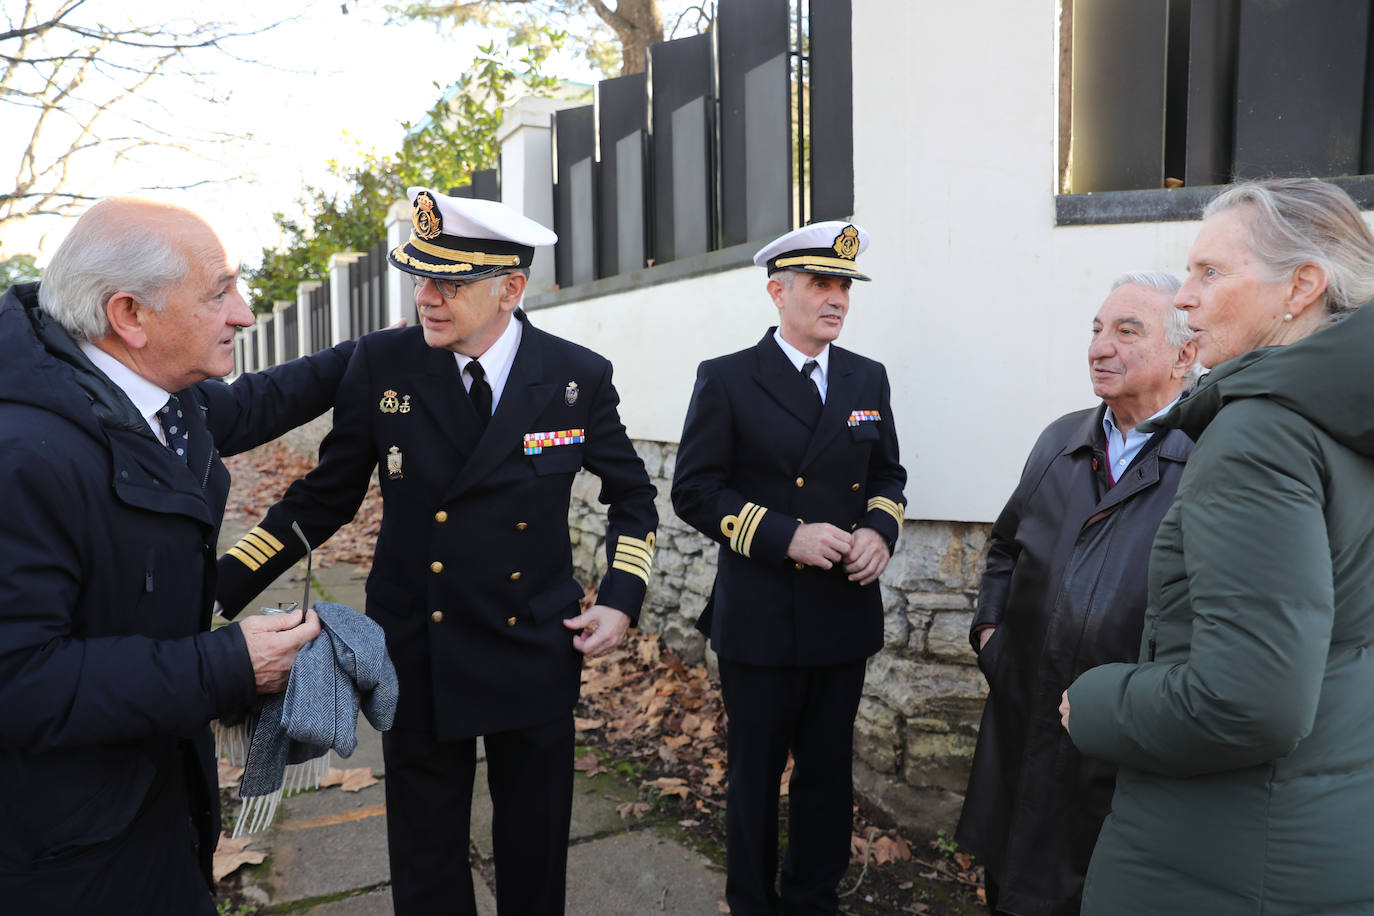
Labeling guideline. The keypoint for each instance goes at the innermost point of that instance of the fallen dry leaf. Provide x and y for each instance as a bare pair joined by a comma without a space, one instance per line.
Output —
634,809
230,855
589,764
670,785
587,725
722,906
229,775
354,780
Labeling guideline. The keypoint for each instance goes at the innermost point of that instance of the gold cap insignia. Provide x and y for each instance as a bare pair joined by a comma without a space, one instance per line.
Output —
425,217
389,402
847,243
570,394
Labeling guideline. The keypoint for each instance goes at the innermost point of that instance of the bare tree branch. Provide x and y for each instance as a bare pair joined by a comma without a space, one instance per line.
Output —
79,96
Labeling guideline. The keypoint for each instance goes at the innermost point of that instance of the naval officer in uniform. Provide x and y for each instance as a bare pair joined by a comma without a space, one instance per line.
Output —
476,422
789,461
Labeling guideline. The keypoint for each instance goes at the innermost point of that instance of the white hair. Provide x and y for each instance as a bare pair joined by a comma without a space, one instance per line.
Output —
1296,221
102,255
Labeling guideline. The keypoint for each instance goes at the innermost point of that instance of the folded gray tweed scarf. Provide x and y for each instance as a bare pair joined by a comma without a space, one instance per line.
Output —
341,671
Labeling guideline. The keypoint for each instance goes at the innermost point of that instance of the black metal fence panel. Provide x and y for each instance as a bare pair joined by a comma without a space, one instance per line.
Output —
622,126
321,318
574,137
1211,92
682,77
831,94
755,123
290,329
269,332
1300,87
1119,66
367,306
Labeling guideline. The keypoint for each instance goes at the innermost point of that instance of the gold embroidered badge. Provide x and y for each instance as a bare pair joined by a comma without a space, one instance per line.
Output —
389,402
847,243
425,217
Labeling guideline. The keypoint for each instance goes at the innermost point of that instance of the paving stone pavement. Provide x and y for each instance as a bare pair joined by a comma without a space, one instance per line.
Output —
330,845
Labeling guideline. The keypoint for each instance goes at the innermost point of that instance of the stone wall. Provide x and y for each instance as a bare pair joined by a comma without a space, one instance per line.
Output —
923,694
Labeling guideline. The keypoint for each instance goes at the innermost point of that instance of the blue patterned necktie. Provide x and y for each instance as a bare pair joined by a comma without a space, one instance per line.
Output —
174,426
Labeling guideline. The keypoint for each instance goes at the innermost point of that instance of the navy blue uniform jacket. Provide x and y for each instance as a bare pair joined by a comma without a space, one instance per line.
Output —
108,676
759,455
472,574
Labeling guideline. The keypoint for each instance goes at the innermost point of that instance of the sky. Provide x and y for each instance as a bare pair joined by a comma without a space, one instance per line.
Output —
321,85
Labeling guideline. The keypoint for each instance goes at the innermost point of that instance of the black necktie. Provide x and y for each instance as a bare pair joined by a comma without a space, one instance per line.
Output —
807,368
480,392
174,426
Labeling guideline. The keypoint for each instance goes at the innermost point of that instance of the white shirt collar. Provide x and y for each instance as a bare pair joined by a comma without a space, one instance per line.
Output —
147,398
497,361
798,358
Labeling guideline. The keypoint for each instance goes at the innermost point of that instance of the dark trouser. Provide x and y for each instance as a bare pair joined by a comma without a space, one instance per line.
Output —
809,711
429,808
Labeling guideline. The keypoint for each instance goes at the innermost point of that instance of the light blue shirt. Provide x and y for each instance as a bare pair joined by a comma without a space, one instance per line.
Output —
1121,450
820,374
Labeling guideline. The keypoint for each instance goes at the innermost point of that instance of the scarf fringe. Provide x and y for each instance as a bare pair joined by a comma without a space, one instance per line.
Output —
257,812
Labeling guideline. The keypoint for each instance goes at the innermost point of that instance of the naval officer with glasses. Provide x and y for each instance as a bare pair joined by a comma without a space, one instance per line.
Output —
476,423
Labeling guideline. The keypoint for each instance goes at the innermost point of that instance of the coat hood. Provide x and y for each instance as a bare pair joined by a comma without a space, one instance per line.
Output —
42,366
1327,378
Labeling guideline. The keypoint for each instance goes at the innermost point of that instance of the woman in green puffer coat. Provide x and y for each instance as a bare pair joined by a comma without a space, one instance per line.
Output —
1245,734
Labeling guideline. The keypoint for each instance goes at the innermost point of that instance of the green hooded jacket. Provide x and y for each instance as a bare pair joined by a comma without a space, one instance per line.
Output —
1245,735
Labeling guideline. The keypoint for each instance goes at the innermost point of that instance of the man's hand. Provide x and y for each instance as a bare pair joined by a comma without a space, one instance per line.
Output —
867,556
273,641
602,629
819,544
984,635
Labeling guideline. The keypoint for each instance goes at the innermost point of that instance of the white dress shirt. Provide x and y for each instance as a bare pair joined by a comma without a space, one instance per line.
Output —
496,362
148,398
822,371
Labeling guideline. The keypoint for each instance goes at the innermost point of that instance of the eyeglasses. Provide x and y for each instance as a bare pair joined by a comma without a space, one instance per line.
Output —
449,288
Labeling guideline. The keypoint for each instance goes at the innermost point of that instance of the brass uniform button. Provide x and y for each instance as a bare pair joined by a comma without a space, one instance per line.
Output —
801,566
515,576
441,516
510,621
437,617
801,481
436,567
854,487
520,526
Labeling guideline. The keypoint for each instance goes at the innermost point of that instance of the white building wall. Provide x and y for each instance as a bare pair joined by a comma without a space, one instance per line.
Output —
980,306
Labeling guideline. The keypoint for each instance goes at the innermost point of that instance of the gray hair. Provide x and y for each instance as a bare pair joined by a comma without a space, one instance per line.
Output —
102,255
1296,221
1176,330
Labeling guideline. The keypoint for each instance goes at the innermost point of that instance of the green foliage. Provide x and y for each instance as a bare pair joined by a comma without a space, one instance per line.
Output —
454,138
19,268
944,844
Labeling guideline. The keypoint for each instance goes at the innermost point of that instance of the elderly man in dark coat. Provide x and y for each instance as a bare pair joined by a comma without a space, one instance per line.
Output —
111,430
1064,591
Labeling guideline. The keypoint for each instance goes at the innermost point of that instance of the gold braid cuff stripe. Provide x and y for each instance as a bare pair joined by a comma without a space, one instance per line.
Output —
478,258
740,528
892,508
